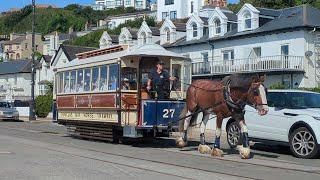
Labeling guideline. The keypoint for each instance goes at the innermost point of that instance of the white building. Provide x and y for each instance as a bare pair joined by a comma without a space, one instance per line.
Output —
284,44
181,9
114,21
15,80
53,40
110,4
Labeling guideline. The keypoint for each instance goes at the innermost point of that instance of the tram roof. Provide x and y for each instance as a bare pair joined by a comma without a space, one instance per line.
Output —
147,50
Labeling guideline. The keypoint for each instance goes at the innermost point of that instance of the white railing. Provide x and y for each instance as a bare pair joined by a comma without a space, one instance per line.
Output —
259,64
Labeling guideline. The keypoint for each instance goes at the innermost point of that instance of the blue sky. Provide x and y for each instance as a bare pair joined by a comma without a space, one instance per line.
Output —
7,4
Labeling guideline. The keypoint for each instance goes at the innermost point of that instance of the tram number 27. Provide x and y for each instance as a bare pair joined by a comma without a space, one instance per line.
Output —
168,113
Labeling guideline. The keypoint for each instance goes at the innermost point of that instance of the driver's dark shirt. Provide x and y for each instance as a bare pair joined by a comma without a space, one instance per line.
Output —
160,82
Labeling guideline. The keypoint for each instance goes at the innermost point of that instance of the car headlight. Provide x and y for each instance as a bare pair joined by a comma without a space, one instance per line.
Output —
316,117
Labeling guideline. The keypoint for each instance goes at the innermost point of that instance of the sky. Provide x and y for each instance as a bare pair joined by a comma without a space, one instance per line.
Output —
7,4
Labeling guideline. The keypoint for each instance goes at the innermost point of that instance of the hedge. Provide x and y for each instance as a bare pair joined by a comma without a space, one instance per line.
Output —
43,105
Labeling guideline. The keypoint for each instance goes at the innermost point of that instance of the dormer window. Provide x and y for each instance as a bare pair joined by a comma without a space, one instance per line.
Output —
194,30
247,20
217,26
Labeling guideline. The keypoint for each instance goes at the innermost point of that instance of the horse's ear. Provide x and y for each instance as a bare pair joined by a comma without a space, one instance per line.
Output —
254,79
263,78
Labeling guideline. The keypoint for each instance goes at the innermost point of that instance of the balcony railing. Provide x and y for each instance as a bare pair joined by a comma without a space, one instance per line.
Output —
259,64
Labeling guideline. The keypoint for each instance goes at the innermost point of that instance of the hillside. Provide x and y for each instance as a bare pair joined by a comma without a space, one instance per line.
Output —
50,19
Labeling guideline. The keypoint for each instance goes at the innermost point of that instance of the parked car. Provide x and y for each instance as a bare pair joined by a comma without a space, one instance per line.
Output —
8,112
293,119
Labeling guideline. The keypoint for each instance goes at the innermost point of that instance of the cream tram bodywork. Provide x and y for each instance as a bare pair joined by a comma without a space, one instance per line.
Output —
91,98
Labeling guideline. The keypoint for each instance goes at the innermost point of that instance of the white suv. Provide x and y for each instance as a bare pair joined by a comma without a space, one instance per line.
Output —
293,119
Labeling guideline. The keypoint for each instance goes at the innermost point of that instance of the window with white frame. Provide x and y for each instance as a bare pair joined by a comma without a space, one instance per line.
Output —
173,15
247,20
228,56
191,10
205,56
164,15
167,33
194,30
139,4
168,2
217,26
285,50
43,89
143,38
128,2
256,52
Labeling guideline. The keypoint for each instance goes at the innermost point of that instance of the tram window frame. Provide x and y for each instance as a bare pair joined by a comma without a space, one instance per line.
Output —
64,83
60,80
73,86
87,88
97,79
110,86
106,78
78,84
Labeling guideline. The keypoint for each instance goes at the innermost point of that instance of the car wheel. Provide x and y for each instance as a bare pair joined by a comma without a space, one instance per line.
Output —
303,143
233,134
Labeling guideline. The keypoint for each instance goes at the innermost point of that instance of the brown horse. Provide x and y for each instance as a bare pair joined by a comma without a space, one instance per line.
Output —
226,98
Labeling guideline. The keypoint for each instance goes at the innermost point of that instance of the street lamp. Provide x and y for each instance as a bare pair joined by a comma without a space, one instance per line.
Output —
32,103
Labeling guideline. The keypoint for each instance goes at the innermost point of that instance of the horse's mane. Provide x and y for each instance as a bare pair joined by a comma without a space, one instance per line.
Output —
240,81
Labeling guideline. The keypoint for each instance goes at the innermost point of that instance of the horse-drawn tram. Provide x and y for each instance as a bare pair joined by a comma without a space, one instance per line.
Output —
102,94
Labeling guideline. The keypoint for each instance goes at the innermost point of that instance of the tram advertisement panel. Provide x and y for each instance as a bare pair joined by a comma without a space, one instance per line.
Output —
161,113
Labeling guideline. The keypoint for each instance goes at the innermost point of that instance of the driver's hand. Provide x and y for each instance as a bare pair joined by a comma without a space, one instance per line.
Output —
173,78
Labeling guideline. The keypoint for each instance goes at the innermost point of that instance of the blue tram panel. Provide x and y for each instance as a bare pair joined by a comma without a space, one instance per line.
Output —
161,113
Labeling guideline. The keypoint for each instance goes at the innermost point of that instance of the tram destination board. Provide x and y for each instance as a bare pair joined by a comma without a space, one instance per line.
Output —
90,116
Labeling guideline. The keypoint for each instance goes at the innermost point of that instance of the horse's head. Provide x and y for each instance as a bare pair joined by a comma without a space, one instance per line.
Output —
257,95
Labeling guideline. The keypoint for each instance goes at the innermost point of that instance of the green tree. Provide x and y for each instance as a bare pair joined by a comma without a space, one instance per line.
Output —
72,7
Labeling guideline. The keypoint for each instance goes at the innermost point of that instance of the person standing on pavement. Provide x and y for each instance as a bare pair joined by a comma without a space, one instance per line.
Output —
159,82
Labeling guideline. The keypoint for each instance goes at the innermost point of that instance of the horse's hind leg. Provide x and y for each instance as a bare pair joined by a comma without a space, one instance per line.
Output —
182,142
203,148
216,151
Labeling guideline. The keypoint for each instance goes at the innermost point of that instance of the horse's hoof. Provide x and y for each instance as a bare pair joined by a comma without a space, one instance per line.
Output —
216,152
244,153
204,149
180,143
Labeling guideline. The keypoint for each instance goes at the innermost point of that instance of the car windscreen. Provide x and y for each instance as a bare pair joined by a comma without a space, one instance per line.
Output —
298,100
5,105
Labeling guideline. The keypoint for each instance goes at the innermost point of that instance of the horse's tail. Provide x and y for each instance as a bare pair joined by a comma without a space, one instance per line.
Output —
182,118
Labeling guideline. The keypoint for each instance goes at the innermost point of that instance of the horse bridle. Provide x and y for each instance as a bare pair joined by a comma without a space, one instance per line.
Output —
256,92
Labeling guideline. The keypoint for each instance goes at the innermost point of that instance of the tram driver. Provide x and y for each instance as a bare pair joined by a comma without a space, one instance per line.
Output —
159,82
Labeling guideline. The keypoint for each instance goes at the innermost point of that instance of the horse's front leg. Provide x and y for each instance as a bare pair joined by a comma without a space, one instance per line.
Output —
203,148
244,150
216,151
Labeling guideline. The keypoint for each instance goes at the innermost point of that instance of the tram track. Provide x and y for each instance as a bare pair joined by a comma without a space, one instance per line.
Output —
158,161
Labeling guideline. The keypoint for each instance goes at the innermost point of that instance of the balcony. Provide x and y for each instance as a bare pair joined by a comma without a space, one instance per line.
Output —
261,64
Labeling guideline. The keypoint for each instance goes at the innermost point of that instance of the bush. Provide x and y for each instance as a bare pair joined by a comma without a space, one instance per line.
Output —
43,105
277,86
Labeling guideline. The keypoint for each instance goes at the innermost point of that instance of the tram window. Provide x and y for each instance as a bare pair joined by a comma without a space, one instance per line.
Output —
129,74
60,82
66,82
176,71
87,78
80,80
73,75
103,78
95,79
113,76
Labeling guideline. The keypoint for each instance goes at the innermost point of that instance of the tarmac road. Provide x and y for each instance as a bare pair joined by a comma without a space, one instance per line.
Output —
45,151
